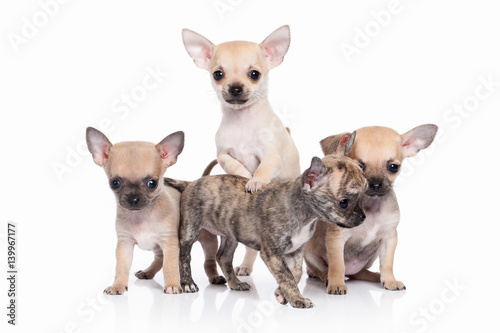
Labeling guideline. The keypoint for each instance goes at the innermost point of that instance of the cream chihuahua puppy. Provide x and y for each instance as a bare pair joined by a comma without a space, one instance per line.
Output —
147,210
333,252
251,140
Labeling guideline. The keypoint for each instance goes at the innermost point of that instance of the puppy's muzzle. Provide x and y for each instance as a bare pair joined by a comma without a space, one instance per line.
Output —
361,217
235,95
235,91
133,201
357,218
377,187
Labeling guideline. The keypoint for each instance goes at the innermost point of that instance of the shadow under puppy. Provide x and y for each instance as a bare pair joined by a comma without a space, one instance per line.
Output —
147,211
277,220
333,253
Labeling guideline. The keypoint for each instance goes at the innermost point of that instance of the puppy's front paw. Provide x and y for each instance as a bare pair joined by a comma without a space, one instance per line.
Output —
172,290
393,285
242,271
189,287
116,289
336,289
255,184
301,302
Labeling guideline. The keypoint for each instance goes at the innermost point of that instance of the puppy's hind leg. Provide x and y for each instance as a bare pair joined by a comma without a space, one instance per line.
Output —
154,268
246,266
209,244
225,259
187,236
316,267
365,275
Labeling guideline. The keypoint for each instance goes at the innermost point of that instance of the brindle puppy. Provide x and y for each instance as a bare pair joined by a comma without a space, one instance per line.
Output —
276,221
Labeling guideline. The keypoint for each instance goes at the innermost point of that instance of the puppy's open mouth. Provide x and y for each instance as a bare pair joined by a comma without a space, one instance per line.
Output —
236,101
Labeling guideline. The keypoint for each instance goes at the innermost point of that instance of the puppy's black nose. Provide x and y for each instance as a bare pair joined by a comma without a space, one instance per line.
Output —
235,90
133,201
375,186
362,217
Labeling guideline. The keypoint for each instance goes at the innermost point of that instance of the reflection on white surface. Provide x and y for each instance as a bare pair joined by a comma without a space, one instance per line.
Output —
215,308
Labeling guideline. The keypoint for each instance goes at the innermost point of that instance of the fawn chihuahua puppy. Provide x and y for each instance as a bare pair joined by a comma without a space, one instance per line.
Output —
147,211
333,253
251,141
277,220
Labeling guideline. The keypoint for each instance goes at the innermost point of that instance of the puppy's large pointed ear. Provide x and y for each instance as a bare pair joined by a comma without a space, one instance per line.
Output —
170,147
340,143
275,46
346,144
417,139
99,146
315,176
198,47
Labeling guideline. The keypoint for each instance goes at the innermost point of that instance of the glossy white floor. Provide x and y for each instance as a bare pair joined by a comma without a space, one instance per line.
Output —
440,297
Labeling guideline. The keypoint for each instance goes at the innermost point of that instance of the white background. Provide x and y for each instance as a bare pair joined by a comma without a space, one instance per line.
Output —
73,69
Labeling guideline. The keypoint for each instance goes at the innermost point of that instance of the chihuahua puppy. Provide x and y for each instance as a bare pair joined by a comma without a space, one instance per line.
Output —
147,211
277,220
333,252
251,140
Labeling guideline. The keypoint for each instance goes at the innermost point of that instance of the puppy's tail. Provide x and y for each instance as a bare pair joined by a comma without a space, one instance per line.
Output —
178,185
209,168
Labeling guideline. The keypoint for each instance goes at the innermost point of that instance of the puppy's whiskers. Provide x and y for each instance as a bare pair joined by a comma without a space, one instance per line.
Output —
214,97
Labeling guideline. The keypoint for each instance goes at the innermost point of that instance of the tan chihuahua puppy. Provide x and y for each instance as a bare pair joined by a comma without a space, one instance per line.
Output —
251,140
147,211
333,253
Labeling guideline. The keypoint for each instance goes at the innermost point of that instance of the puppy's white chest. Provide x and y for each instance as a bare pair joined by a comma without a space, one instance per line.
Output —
300,238
146,241
242,135
363,241
145,236
246,138
372,229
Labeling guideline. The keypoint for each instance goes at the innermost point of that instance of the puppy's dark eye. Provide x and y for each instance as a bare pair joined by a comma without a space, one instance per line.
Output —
152,184
393,168
115,183
344,203
254,75
218,75
362,166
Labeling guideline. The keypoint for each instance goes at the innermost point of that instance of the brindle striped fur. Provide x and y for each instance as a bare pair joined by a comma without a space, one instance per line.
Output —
277,220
